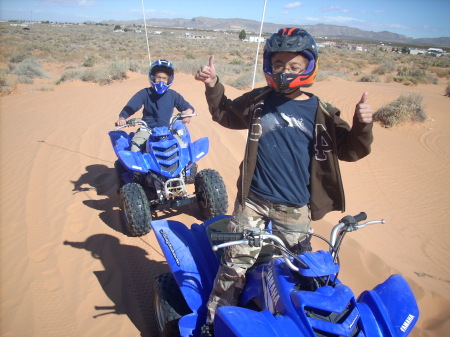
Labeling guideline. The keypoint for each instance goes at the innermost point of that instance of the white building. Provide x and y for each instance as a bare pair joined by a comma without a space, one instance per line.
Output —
255,39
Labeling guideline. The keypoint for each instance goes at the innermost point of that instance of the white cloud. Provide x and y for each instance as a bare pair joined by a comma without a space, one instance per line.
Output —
342,19
331,9
292,5
69,3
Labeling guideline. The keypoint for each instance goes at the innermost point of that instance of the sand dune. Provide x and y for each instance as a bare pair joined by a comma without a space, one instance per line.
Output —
68,269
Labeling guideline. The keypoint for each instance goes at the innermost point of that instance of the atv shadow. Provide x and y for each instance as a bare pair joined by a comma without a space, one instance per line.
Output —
126,279
102,179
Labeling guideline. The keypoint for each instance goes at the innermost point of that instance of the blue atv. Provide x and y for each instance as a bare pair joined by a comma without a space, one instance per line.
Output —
157,179
285,295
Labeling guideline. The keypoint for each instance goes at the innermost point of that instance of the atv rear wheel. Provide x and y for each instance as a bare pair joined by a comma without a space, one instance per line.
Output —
135,209
212,198
168,305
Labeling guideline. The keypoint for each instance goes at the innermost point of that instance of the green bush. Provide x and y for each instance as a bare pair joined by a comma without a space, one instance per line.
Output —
405,108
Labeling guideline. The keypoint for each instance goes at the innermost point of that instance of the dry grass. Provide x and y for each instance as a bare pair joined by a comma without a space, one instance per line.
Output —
405,108
97,54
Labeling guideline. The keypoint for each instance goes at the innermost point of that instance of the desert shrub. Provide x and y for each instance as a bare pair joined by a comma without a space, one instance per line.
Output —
18,57
189,66
105,74
25,79
68,76
190,56
117,70
405,108
137,66
236,52
29,69
370,78
3,75
236,61
322,75
245,80
440,72
414,74
385,68
90,61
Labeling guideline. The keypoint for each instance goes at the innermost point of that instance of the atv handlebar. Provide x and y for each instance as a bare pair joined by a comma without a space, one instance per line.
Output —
254,237
349,224
134,121
177,117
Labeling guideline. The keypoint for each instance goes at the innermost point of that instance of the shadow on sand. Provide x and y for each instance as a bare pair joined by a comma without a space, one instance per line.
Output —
127,279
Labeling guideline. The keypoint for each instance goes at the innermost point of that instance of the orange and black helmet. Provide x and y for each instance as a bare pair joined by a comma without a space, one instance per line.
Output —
295,40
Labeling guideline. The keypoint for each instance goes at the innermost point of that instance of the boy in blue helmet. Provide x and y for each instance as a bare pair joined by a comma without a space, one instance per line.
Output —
158,101
290,173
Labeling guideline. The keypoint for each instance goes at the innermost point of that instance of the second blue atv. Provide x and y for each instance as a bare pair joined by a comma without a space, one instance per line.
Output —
157,178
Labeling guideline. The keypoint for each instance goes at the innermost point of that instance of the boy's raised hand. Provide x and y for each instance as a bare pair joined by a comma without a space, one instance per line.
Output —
207,73
363,110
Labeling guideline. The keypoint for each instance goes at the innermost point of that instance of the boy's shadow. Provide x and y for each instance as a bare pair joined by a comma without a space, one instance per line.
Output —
127,279
102,179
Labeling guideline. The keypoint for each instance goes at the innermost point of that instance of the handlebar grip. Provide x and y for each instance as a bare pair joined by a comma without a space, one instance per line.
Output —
224,236
360,217
350,220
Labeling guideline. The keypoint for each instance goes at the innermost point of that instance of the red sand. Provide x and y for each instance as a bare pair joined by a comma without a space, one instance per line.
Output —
68,270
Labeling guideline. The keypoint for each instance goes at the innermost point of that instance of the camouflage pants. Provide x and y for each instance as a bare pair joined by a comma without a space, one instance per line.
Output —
139,140
258,211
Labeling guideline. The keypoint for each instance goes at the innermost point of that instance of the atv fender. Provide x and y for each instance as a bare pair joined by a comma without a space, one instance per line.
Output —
135,161
192,262
120,140
132,161
390,308
236,321
199,149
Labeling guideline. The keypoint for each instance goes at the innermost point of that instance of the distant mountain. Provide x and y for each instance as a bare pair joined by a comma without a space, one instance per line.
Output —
319,30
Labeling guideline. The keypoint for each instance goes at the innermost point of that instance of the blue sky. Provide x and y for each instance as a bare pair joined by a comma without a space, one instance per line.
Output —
412,18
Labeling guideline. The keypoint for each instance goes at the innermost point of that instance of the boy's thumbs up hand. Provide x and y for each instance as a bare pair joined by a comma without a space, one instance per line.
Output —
363,109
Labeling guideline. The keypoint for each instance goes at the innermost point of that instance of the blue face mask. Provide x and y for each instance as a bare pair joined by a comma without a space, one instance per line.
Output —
160,87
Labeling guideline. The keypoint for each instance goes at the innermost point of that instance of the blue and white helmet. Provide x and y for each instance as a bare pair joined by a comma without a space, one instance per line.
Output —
165,67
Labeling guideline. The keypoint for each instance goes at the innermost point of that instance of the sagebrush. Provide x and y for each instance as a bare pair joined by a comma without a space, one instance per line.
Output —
405,108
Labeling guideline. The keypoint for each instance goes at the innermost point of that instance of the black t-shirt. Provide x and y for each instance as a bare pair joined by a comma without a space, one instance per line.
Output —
285,149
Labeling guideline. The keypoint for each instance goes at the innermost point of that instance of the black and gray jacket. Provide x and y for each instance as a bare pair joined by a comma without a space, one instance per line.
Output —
334,140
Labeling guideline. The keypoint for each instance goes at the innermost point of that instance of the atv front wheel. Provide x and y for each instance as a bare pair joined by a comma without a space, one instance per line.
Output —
212,198
168,305
135,209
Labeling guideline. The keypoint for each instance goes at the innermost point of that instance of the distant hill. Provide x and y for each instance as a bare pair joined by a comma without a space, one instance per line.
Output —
319,30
